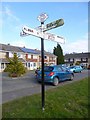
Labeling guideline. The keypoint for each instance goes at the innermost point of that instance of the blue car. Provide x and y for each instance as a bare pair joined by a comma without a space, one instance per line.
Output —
55,74
75,68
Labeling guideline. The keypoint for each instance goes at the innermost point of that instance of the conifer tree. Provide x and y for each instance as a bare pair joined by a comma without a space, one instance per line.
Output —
59,53
15,67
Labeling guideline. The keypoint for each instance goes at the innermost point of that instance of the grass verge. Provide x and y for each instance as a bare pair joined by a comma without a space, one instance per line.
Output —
68,101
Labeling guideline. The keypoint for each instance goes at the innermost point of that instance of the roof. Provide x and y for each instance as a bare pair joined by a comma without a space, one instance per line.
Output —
23,49
77,55
10,48
50,54
27,50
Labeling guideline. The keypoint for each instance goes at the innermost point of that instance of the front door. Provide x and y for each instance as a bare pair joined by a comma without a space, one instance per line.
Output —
31,65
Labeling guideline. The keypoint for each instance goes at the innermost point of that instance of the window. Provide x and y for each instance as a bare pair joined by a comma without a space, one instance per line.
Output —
28,64
34,64
7,54
66,60
57,69
31,56
86,59
48,69
64,68
71,60
2,65
51,58
34,57
31,64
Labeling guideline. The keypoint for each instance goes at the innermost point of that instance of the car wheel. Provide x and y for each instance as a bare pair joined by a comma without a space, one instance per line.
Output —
55,81
72,76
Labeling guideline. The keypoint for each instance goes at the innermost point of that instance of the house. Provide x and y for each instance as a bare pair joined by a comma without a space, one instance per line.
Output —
7,51
82,58
31,58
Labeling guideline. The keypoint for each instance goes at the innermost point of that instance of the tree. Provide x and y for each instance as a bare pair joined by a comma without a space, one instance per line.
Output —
15,67
59,53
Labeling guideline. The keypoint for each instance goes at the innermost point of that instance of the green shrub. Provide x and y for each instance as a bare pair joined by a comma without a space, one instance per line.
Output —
15,67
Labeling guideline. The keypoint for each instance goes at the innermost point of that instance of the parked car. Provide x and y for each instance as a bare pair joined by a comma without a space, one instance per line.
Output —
75,69
55,74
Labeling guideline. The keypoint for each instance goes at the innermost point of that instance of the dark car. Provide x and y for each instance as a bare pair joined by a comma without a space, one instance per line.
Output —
55,74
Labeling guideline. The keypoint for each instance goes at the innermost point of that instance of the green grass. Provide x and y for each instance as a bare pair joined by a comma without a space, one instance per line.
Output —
68,101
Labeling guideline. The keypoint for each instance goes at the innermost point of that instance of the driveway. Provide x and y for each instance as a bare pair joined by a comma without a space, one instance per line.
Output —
13,88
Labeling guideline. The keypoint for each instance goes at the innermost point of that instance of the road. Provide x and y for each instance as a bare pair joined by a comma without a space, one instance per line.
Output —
13,88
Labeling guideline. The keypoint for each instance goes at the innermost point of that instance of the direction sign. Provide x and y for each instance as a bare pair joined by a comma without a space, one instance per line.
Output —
31,31
23,34
53,37
54,24
51,25
48,36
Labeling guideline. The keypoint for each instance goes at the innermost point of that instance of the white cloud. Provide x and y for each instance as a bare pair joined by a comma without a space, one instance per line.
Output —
10,14
77,46
7,16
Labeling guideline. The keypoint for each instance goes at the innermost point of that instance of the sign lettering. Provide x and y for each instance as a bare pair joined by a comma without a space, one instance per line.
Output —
47,36
51,25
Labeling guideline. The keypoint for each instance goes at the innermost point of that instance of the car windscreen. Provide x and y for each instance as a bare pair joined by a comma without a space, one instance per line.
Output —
64,68
48,69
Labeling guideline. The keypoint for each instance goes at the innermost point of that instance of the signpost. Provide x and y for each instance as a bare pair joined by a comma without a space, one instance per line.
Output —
42,19
31,31
44,35
48,36
23,34
53,37
52,25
